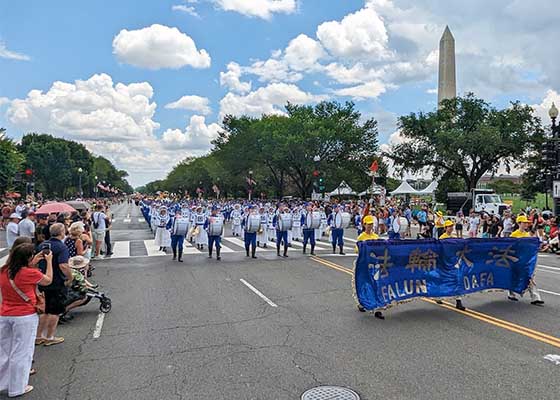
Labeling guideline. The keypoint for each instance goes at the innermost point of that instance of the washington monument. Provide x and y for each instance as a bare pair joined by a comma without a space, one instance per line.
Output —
447,85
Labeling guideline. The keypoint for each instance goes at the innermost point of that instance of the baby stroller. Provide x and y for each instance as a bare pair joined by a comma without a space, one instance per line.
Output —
79,291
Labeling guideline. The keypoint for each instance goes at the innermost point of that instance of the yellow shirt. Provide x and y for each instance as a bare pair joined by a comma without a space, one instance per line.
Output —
518,234
365,236
444,235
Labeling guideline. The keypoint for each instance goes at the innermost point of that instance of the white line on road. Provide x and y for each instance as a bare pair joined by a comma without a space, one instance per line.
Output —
126,220
555,358
549,292
98,325
256,291
548,271
546,266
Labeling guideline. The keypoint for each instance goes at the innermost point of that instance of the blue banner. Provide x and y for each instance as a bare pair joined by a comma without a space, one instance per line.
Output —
389,272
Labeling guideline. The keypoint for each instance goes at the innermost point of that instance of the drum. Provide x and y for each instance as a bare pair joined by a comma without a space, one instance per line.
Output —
181,227
215,226
285,222
236,221
342,220
313,220
253,223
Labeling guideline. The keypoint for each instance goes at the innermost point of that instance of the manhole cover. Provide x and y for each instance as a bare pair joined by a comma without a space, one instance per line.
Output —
330,393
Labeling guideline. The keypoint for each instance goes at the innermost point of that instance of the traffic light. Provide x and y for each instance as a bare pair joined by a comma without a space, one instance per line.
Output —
321,184
28,172
548,153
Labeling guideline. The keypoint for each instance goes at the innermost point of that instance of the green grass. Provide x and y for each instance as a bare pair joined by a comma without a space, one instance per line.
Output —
519,204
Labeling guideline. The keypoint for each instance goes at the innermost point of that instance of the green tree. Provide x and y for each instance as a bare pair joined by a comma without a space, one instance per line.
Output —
503,186
467,138
11,161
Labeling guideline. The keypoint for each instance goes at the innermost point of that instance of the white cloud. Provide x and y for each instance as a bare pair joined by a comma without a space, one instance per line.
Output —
258,8
541,110
159,46
194,103
4,100
273,70
368,90
303,53
231,79
361,35
270,99
12,55
197,135
186,9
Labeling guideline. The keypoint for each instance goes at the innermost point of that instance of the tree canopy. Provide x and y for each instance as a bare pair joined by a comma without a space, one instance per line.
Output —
467,138
280,151
55,164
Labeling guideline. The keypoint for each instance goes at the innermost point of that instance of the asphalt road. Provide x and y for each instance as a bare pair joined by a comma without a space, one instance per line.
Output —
198,331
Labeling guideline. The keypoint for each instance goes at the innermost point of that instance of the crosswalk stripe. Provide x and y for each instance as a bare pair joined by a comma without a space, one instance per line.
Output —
3,260
121,249
126,220
152,249
241,243
350,240
189,247
141,220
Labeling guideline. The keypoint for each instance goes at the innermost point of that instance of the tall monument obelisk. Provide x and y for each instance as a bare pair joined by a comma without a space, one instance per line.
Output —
447,85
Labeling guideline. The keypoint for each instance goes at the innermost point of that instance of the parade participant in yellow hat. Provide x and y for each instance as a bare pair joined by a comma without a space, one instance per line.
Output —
448,226
448,230
523,232
368,234
439,223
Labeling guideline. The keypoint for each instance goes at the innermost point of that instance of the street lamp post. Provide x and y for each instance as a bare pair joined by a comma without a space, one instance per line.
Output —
95,186
80,170
553,113
250,184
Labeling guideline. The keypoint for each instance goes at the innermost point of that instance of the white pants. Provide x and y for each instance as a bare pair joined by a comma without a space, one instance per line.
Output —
17,344
533,292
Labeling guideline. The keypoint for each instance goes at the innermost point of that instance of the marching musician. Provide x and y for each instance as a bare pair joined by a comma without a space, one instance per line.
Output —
281,226
192,217
163,223
368,234
308,231
262,234
447,234
250,238
337,230
214,225
522,232
236,216
296,226
179,230
270,226
201,238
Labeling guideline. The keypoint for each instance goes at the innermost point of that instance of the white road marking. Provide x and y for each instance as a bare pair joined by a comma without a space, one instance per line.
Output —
555,358
98,325
152,249
549,292
3,260
126,220
241,243
256,291
350,240
548,271
121,249
141,220
546,266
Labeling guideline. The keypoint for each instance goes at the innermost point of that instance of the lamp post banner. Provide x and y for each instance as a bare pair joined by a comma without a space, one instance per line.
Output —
391,272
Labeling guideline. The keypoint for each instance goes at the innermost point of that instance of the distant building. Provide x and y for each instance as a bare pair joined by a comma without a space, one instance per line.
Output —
488,179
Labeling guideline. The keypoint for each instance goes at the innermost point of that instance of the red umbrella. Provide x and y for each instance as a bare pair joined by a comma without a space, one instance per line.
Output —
54,207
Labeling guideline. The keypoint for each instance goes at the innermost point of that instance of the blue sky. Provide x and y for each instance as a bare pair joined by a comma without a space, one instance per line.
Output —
111,73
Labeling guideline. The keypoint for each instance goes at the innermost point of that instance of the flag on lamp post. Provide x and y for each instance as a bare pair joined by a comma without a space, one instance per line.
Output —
374,166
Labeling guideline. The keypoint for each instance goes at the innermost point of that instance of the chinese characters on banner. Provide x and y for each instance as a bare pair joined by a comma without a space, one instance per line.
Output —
393,271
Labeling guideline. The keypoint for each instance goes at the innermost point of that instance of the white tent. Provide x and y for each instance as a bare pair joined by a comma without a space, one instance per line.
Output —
430,189
343,190
404,188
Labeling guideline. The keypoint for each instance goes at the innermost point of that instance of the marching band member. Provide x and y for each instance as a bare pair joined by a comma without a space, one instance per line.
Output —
214,225
368,234
192,217
179,229
163,238
319,231
236,216
358,222
282,229
250,238
448,231
201,238
262,235
270,226
337,231
522,232
308,233
296,226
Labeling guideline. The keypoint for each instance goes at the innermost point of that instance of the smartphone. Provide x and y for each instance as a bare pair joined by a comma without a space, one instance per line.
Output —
46,248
